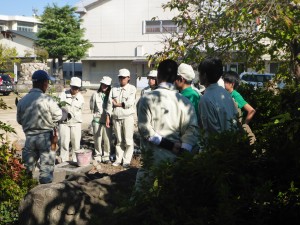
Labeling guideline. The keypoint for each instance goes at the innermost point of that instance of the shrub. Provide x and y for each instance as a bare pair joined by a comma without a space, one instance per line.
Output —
231,182
14,182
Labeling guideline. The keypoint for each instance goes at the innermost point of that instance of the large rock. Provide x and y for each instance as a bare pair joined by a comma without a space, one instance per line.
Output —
75,201
27,69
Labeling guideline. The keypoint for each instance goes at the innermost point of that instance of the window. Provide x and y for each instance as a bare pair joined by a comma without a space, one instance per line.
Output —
152,27
160,26
23,26
2,25
168,26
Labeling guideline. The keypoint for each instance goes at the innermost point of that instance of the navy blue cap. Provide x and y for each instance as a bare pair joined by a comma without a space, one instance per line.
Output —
40,75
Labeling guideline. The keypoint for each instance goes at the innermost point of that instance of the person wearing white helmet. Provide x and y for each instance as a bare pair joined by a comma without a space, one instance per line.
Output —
121,109
70,130
98,106
152,82
185,77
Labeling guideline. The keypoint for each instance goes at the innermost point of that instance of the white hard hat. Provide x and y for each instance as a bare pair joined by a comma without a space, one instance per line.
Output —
75,81
152,73
186,71
106,80
124,73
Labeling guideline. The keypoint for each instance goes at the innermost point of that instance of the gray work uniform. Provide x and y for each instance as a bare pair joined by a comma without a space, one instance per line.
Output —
145,90
123,120
166,112
70,130
217,110
98,106
38,114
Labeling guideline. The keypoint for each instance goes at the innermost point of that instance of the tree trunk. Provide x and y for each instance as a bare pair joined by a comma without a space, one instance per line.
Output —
60,68
53,66
295,48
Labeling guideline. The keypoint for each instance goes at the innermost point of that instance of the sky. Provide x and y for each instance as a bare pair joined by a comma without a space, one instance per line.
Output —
25,7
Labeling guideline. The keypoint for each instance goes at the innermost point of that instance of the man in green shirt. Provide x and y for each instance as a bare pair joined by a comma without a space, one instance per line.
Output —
246,111
185,77
231,81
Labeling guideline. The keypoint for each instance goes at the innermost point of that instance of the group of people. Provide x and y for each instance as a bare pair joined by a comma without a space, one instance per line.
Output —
113,111
170,113
41,116
169,121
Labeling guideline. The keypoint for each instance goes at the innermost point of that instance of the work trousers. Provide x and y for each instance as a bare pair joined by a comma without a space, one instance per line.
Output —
69,133
39,147
101,132
124,129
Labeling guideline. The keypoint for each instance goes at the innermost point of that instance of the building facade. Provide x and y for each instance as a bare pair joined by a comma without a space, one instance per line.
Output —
20,32
123,33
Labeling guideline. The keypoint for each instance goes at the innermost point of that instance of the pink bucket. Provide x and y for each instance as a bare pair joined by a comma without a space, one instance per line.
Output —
84,157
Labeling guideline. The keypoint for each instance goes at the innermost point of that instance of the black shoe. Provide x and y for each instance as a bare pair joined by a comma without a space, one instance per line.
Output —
106,161
126,166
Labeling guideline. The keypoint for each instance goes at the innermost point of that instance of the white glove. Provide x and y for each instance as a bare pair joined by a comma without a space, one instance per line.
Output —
156,139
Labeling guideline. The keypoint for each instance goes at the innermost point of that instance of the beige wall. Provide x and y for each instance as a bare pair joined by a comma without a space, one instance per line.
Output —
115,28
20,43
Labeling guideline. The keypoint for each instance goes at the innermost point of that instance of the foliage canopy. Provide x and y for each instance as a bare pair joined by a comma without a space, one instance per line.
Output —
238,31
8,56
230,182
61,34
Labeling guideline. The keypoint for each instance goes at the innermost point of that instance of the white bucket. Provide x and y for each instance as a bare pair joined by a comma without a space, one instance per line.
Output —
84,157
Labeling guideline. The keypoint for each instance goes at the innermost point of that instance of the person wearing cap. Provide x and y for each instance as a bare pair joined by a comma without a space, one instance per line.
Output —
121,109
39,114
167,122
152,82
70,130
98,106
185,77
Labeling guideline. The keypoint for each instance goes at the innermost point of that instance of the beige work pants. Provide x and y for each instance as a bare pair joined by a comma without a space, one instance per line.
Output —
69,133
101,132
124,129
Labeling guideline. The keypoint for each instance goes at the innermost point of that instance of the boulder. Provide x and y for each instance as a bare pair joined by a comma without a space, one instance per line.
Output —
75,201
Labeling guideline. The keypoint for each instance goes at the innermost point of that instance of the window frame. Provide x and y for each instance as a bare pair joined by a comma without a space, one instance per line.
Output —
160,26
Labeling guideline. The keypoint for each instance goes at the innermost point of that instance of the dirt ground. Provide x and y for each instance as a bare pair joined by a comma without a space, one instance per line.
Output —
18,139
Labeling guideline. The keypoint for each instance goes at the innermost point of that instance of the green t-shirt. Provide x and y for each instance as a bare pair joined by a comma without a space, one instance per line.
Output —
240,101
193,96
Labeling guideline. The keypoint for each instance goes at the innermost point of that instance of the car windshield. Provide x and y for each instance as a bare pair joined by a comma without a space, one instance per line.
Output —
257,77
5,78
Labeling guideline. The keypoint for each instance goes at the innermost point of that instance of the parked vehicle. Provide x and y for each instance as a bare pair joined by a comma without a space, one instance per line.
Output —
6,84
259,79
256,79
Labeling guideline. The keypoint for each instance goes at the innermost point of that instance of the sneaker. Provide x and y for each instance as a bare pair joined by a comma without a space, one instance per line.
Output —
116,164
126,166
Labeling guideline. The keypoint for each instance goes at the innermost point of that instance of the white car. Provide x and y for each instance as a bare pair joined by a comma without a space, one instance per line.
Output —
256,79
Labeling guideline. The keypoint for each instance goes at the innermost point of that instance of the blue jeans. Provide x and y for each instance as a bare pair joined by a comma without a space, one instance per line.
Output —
39,147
